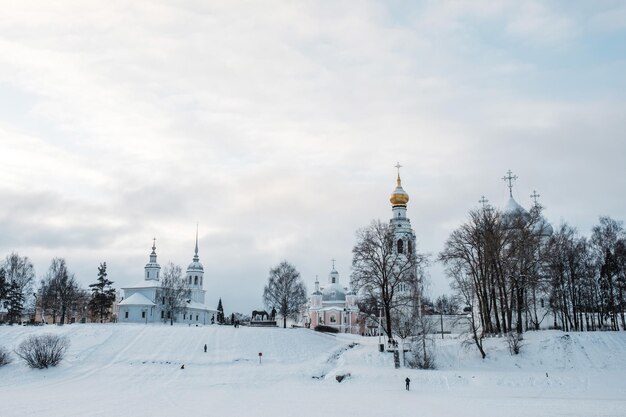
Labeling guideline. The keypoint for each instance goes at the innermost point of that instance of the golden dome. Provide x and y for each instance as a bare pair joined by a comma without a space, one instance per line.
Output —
399,196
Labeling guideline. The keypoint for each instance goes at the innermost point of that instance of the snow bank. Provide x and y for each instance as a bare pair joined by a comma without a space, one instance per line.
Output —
134,370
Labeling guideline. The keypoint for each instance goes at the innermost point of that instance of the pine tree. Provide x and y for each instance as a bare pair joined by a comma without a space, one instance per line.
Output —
220,312
4,286
15,303
102,295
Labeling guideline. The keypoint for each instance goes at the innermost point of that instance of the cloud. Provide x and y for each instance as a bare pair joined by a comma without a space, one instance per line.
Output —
277,127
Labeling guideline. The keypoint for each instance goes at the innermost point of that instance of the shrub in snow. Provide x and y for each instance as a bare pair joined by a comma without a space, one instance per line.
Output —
514,340
327,329
43,351
5,357
422,353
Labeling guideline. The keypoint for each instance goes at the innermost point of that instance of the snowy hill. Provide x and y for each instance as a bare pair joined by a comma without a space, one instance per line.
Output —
134,370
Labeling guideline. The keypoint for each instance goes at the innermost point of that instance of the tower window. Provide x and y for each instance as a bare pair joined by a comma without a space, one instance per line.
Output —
148,272
400,246
157,274
126,314
410,246
195,281
189,279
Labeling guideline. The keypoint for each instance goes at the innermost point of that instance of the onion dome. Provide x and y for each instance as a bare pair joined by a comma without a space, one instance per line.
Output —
317,287
512,213
543,228
334,292
512,207
399,197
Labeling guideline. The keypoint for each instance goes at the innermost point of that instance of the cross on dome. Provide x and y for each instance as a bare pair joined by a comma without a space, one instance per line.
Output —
510,178
484,202
535,196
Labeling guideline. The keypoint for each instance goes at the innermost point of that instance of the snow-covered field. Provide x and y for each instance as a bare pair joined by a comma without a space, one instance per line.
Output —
134,370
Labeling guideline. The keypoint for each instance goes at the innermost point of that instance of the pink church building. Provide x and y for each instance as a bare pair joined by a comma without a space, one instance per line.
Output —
334,305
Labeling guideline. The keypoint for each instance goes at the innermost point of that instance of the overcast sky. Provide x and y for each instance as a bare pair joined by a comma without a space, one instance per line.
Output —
276,126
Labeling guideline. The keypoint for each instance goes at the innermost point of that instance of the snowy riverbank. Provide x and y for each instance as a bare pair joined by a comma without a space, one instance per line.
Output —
134,370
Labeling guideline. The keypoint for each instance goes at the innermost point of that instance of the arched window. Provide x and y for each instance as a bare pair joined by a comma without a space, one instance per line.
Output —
200,280
189,279
195,281
410,246
400,246
147,274
333,319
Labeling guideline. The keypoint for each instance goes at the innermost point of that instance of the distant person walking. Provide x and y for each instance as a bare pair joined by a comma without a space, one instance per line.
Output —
408,381
205,348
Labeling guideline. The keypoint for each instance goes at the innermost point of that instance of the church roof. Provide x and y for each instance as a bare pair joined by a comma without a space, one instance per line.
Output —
543,228
512,207
199,306
144,283
137,299
334,292
195,266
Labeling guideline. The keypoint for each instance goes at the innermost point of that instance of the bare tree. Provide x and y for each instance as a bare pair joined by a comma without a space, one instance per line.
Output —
59,290
174,291
379,272
285,291
464,285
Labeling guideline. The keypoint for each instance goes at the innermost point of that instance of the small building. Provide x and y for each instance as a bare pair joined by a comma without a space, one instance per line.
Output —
334,305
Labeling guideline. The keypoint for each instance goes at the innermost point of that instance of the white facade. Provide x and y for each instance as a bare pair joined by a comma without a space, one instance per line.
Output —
145,303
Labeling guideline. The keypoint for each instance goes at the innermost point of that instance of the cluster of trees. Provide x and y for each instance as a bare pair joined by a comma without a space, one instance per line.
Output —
512,271
58,294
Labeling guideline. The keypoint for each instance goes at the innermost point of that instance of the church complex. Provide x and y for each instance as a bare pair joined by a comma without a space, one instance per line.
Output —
146,302
331,304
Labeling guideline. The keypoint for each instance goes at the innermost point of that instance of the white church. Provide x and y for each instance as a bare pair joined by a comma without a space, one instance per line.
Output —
145,303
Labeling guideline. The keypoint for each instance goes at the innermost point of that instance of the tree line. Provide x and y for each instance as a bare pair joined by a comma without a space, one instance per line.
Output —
514,273
58,294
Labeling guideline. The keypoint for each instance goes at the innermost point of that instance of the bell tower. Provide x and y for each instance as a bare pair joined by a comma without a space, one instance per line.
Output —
152,268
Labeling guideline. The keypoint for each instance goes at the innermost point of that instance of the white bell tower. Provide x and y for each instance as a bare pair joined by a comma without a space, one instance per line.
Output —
152,268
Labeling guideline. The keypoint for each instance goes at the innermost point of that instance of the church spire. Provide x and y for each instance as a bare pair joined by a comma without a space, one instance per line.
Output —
195,257
399,197
398,180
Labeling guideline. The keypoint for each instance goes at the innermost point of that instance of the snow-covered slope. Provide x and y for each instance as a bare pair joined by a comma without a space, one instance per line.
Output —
134,370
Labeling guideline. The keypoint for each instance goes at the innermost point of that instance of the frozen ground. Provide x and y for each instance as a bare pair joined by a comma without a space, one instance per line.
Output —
134,370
